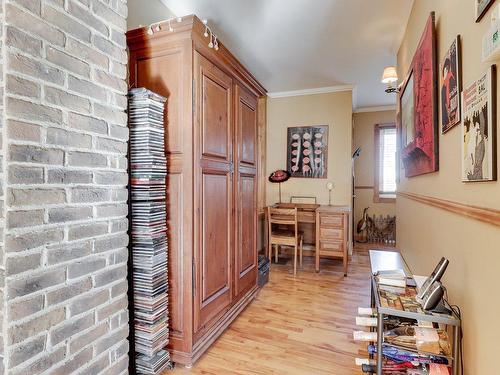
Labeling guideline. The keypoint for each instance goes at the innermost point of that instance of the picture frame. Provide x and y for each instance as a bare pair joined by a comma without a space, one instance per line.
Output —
418,102
307,151
450,72
481,7
407,110
479,133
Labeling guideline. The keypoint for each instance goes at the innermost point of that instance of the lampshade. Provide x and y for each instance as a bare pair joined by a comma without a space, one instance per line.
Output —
279,176
390,75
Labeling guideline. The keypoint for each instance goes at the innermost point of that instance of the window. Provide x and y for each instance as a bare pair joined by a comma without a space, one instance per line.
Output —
385,163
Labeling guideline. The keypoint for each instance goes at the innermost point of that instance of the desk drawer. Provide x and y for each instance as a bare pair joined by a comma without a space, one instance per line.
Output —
331,220
331,233
331,246
306,217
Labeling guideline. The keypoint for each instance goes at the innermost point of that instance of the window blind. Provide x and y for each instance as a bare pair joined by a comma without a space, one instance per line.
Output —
387,162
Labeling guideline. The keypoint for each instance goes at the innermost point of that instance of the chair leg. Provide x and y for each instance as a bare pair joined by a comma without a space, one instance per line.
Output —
276,249
301,239
295,260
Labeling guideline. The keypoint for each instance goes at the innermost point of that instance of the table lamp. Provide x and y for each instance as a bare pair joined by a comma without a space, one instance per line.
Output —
279,176
329,186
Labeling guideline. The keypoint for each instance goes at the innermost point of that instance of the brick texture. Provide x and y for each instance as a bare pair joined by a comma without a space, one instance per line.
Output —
3,304
63,178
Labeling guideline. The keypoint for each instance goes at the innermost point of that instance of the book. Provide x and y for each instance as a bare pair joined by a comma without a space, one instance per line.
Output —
364,336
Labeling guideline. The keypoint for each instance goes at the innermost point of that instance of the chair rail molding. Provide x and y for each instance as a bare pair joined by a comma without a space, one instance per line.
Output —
483,214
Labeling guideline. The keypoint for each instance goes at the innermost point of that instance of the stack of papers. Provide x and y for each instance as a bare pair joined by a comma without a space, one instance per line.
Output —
148,169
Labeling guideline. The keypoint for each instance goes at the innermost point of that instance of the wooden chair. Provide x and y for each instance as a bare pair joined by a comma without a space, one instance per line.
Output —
289,236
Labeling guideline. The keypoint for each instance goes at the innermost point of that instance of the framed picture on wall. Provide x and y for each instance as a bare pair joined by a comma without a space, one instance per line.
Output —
481,7
407,106
419,108
479,129
307,151
450,72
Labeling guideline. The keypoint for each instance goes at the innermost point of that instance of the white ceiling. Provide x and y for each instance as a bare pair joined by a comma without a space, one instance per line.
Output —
305,44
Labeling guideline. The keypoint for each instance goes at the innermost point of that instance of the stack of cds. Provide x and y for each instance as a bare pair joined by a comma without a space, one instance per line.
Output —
148,170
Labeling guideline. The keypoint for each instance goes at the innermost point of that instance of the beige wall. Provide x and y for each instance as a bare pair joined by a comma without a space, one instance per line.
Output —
335,110
364,168
146,12
425,233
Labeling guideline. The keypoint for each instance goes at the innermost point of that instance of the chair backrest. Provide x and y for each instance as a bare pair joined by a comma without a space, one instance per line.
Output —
282,216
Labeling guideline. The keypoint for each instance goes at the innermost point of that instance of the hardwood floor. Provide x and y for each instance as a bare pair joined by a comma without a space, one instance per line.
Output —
300,325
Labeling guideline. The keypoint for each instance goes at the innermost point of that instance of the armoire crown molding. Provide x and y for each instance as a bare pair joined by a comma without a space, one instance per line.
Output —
483,214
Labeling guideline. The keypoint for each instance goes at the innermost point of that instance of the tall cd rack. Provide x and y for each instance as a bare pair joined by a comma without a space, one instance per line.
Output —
149,251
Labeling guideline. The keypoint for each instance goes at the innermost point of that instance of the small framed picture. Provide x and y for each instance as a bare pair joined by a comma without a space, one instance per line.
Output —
451,87
482,7
479,129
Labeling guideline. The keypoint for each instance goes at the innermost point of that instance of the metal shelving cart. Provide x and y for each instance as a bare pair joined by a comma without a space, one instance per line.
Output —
385,261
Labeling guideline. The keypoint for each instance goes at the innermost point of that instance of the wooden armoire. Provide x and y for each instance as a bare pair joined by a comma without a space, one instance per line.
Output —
211,124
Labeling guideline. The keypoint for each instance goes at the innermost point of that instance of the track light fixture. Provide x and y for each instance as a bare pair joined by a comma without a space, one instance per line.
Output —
213,43
156,27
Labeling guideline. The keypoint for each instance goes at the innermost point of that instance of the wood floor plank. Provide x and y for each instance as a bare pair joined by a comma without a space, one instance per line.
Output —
296,326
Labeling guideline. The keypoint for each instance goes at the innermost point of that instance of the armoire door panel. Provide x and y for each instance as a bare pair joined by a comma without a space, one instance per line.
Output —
249,133
215,102
247,245
246,126
167,80
214,273
246,191
216,215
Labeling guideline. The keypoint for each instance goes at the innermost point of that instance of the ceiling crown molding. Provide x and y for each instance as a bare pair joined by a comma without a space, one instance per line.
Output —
319,90
375,109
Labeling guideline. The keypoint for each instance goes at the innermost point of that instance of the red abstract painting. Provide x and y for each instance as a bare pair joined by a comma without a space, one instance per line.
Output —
418,104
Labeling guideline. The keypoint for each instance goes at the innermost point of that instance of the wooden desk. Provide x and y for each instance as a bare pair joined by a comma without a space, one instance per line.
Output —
330,229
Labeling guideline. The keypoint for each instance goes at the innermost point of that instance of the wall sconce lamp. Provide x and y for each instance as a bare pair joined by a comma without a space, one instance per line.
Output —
390,77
